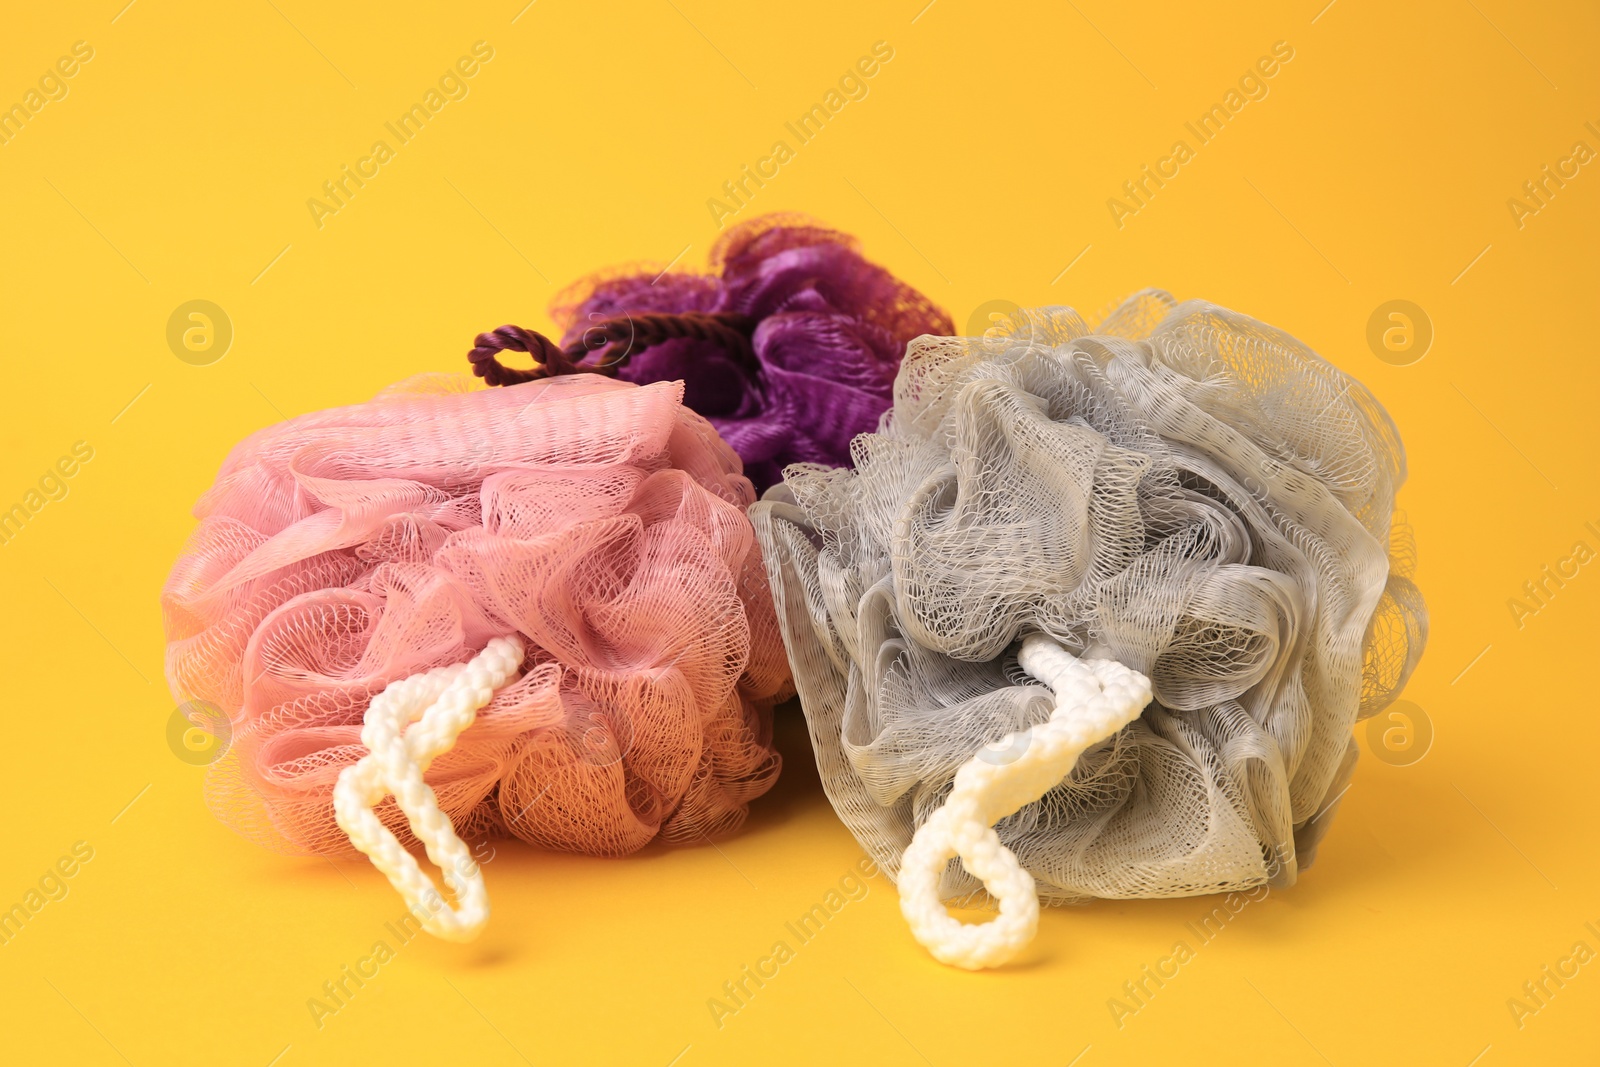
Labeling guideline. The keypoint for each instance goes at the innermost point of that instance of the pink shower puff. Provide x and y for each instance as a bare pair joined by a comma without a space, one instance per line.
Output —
603,522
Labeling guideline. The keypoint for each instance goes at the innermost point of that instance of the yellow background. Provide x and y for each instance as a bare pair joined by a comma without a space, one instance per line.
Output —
978,167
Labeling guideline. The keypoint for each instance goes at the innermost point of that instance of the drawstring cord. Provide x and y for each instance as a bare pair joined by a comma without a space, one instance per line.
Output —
615,340
1095,698
407,726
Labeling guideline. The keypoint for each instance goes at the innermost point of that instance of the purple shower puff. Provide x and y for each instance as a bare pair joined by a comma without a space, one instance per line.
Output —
830,332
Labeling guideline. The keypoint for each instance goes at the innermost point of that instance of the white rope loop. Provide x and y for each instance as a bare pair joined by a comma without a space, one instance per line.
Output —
1094,699
436,706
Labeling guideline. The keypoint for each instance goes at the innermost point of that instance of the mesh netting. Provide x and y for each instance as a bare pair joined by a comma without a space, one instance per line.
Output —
830,329
602,521
1182,488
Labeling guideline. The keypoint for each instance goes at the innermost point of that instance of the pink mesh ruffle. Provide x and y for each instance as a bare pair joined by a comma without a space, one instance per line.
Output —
604,522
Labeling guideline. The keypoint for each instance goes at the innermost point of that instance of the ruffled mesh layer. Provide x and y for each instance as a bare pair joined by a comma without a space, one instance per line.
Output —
1181,487
343,550
830,332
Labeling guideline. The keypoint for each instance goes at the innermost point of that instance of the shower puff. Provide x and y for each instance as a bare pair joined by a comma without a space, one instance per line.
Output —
1159,553
589,533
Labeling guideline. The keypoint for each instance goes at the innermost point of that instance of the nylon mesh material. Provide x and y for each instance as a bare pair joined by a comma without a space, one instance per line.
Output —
830,329
1181,487
602,521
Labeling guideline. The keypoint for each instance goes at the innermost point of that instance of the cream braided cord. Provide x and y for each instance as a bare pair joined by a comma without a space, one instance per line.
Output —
1094,699
437,706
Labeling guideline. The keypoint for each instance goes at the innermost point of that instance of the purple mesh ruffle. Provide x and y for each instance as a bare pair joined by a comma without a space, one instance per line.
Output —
831,331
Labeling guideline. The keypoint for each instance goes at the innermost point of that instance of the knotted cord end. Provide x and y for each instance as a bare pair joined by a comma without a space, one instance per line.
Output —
612,341
1095,698
407,726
